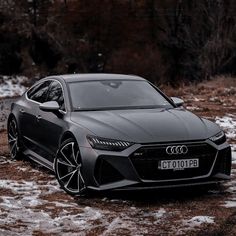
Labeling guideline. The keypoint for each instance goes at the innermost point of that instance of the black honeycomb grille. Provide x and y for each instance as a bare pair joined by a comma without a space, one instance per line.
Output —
146,160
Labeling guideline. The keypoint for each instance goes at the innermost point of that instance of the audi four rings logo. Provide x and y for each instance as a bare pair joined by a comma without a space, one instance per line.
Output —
176,150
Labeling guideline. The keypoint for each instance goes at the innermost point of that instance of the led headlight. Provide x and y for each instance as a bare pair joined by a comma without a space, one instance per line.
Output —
108,144
219,138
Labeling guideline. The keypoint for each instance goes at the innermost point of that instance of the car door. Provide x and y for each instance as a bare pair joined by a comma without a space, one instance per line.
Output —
51,124
28,113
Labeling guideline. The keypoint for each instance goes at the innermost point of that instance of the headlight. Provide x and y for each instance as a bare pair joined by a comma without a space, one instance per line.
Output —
108,144
218,138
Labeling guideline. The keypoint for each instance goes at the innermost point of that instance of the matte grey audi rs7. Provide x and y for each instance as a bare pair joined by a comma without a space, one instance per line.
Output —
115,132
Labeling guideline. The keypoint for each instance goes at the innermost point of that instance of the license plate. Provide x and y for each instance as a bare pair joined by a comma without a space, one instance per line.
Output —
178,164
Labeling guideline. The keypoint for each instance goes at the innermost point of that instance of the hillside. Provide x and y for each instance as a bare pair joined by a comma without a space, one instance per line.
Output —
165,41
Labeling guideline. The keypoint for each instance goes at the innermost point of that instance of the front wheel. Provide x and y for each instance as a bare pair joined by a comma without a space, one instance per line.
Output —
69,169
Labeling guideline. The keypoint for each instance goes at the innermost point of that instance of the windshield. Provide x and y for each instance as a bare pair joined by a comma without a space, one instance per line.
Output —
115,94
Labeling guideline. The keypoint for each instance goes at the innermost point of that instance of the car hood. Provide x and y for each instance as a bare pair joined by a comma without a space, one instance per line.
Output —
146,125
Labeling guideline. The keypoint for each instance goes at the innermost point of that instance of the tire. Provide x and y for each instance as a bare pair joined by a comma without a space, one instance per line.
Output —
14,140
69,169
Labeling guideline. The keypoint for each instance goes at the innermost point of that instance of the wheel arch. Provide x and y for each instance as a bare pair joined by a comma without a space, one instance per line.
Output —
77,133
67,135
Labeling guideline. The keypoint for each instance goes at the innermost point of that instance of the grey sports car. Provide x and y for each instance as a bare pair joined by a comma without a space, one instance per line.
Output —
115,132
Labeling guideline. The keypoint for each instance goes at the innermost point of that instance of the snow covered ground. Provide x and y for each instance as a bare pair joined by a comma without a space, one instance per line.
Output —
12,86
228,123
25,198
31,202
231,188
197,221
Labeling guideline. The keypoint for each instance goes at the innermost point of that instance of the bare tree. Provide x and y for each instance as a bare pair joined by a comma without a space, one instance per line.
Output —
65,2
35,5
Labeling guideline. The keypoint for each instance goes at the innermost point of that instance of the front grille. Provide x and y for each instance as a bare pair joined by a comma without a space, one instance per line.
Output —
146,160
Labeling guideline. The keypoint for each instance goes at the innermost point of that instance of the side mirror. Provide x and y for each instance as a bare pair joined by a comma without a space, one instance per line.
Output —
177,101
49,106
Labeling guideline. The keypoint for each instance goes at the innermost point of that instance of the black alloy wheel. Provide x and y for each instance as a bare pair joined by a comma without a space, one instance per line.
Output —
14,139
69,169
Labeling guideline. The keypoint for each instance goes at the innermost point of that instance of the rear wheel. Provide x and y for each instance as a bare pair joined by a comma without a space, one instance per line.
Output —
69,169
14,139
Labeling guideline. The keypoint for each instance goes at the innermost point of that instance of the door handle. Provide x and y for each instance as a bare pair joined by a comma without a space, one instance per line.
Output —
38,117
22,111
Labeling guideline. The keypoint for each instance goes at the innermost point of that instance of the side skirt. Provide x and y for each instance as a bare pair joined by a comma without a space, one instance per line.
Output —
39,159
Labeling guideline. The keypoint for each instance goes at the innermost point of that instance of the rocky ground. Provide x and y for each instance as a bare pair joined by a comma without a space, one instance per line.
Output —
31,202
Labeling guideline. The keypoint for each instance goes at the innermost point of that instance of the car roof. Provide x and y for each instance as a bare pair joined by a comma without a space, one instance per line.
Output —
95,77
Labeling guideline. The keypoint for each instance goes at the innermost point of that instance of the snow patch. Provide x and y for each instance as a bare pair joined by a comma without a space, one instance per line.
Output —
12,86
24,203
215,99
231,188
197,221
5,160
228,123
230,203
193,108
233,148
160,213
23,169
117,224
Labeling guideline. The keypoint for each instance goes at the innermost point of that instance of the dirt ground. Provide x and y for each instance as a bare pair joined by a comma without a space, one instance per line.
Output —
31,202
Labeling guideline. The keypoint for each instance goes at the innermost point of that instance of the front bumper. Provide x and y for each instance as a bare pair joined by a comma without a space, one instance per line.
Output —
137,167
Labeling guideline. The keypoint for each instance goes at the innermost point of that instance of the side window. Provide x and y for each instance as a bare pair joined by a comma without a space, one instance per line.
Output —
39,92
55,94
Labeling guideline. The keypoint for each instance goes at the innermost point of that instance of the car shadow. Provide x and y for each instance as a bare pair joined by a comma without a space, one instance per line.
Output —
154,197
